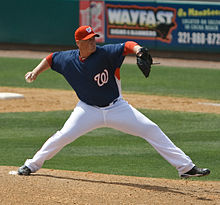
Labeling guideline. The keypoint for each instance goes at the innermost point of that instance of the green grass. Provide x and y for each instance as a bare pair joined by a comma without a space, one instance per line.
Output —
109,151
172,81
14,69
183,82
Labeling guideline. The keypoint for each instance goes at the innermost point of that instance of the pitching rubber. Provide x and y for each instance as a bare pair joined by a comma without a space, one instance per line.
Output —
13,172
4,96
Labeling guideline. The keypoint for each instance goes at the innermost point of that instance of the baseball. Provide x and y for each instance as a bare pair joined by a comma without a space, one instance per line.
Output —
28,78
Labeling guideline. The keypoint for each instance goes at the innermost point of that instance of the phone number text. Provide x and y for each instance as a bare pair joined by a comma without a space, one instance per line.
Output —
199,38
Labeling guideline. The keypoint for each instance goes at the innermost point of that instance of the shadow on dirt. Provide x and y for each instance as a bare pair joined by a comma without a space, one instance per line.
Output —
140,186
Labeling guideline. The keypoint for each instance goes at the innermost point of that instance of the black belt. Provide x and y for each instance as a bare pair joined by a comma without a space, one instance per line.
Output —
112,103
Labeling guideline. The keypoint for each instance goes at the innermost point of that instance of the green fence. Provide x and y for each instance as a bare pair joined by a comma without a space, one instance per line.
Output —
39,21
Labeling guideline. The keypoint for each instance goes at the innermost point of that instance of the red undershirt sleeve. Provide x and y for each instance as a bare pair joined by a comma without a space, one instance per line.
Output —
129,46
49,59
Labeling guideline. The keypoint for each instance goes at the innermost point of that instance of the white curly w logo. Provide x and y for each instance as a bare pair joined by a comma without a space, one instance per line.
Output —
101,78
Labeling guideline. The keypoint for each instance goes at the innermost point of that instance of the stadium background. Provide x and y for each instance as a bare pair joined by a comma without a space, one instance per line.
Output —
50,24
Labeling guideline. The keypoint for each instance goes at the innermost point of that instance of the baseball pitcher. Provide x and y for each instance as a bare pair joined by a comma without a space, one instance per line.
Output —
94,74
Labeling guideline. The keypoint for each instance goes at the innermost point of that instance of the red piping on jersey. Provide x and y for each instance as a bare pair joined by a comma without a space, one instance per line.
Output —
128,49
81,59
49,59
117,73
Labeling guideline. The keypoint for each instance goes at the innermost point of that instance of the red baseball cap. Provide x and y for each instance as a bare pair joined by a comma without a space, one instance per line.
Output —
85,33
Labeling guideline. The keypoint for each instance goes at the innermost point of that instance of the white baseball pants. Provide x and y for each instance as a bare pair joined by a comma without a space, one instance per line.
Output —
120,116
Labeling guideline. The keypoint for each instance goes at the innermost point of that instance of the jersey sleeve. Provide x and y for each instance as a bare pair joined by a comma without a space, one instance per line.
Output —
49,59
128,48
56,60
115,54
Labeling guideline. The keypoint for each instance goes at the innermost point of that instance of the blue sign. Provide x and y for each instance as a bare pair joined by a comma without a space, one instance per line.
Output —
173,26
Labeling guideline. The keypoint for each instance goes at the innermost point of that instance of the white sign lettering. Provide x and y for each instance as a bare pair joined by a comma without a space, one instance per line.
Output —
130,17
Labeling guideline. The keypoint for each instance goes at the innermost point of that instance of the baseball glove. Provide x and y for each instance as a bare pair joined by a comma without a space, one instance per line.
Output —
144,61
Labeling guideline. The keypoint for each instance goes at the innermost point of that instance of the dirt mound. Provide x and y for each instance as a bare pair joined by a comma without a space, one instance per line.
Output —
36,99
70,187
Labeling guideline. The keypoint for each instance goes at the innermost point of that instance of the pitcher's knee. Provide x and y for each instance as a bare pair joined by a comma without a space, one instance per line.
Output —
62,138
152,130
153,127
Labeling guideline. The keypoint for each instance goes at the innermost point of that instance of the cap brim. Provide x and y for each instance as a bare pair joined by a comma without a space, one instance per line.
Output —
90,36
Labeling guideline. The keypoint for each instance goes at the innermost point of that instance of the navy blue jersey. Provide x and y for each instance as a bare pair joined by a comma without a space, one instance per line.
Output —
94,78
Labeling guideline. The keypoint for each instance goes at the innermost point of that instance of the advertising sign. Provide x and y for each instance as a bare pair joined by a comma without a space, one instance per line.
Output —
164,25
199,26
140,22
92,13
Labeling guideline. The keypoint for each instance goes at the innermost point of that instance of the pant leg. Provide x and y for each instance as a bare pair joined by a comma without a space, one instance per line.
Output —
127,119
83,119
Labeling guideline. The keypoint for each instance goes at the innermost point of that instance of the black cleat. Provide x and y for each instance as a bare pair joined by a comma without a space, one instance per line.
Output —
24,170
196,172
